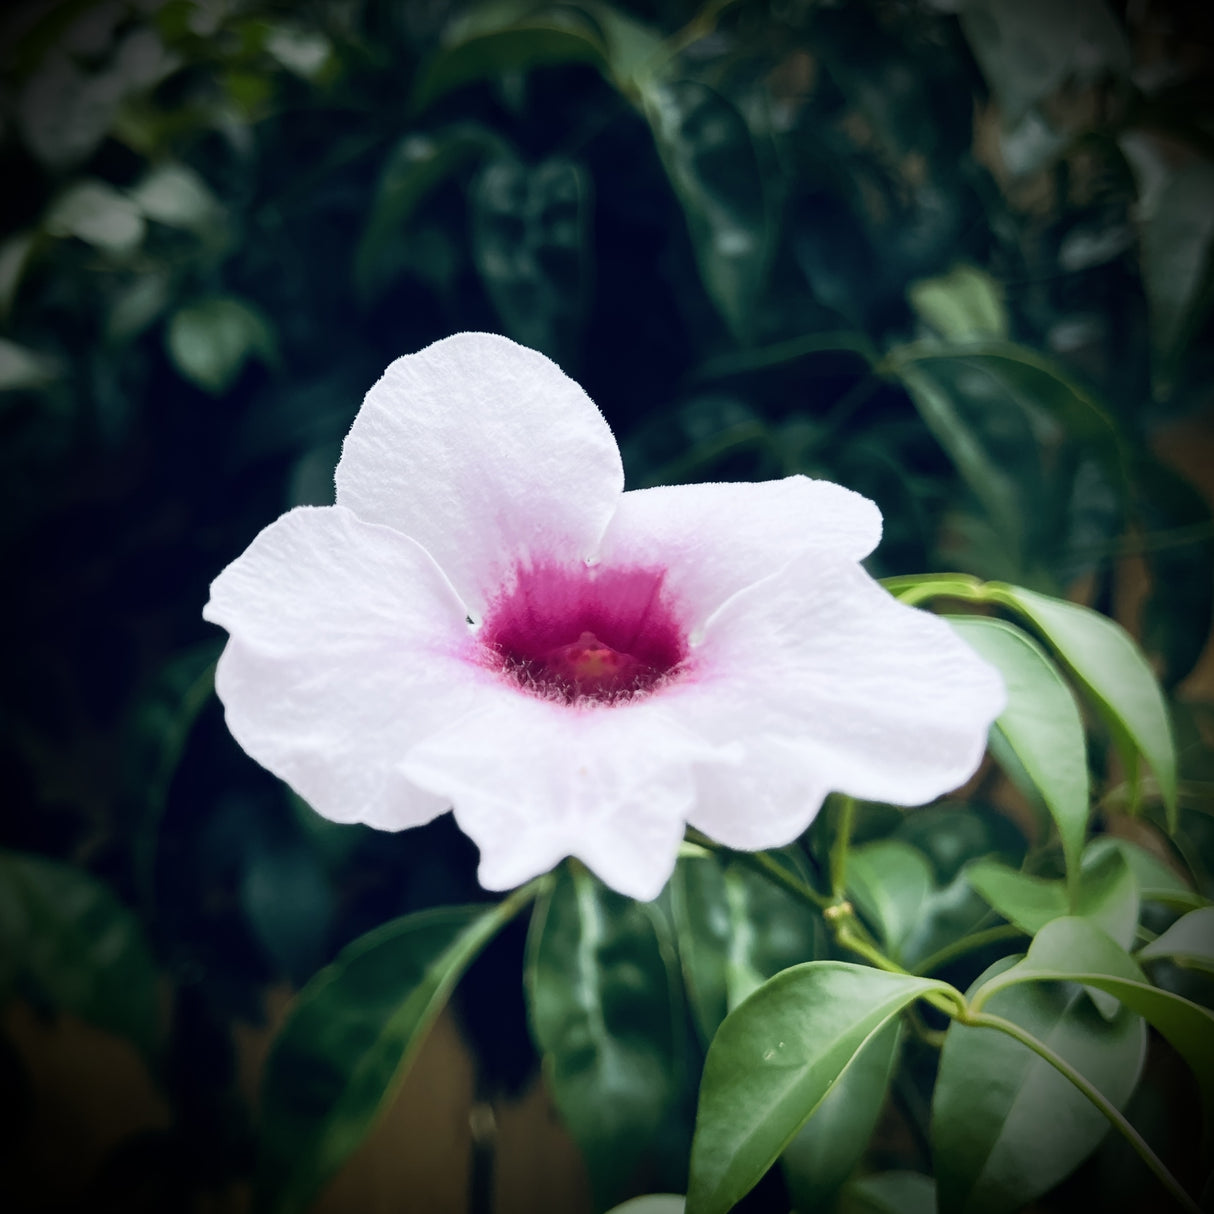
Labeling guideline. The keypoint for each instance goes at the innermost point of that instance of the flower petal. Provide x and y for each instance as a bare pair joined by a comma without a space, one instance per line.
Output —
716,539
534,781
347,645
828,682
487,454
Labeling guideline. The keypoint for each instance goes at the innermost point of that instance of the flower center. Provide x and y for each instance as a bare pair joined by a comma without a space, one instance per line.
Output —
582,635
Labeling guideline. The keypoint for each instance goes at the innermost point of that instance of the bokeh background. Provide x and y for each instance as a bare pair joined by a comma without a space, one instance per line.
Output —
955,254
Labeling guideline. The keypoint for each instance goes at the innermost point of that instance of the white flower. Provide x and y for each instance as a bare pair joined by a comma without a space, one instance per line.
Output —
486,621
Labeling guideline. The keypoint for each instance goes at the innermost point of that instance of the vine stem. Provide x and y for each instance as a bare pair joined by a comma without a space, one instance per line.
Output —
838,850
967,944
1095,1095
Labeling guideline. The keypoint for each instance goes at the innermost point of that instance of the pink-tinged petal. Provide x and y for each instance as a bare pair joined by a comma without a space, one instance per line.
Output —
488,455
534,780
348,644
716,539
866,696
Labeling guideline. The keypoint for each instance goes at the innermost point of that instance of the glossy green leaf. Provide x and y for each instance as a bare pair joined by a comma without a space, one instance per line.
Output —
775,1059
1076,950
1041,723
603,1015
1114,672
964,303
349,1039
652,1203
890,1193
890,883
211,341
1157,881
1189,941
1006,1126
67,943
736,929
829,1146
711,162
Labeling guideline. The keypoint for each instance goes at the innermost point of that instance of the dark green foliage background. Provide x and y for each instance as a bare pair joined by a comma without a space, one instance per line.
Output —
221,224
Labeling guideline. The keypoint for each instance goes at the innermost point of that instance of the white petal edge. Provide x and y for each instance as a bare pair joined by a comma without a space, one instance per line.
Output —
347,645
487,454
533,782
864,696
715,539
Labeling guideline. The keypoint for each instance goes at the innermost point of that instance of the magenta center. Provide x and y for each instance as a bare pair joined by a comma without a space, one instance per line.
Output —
584,634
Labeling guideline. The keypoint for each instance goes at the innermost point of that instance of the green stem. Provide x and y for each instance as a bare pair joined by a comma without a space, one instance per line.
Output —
838,850
1116,1118
763,863
967,944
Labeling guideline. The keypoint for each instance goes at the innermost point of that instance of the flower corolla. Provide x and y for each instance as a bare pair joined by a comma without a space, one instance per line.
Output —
486,622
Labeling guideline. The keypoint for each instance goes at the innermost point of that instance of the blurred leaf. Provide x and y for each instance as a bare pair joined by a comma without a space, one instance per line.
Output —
711,161
1029,50
14,257
67,943
21,368
349,1039
63,113
211,340
138,304
99,215
306,52
1076,950
775,1059
289,902
890,882
1188,942
1112,669
1176,231
601,1004
553,37
652,1203
414,167
530,243
964,303
1157,881
1041,724
736,929
1006,1126
826,1150
890,1193
173,194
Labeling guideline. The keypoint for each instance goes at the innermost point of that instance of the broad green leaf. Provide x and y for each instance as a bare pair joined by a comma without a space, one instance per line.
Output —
1189,941
711,162
964,303
173,194
602,1012
775,1059
99,215
1041,724
890,883
1076,950
1157,881
826,1150
890,1193
1006,1126
67,942
1106,893
211,341
1115,673
735,930
349,1039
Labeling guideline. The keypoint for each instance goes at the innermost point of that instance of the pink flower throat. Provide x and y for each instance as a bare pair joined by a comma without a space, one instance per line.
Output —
584,634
